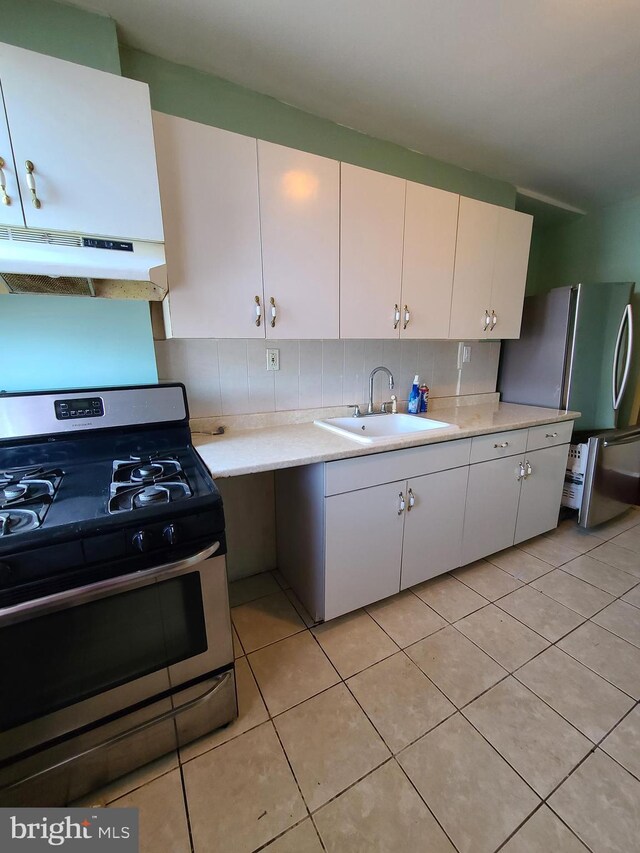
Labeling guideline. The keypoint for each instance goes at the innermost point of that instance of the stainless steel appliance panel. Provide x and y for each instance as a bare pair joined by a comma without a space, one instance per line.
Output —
532,368
600,353
128,688
612,478
68,770
31,415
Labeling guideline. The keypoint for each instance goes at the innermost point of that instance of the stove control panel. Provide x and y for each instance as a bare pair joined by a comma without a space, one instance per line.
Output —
85,407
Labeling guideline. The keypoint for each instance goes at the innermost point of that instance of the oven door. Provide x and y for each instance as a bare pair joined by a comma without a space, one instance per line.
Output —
77,657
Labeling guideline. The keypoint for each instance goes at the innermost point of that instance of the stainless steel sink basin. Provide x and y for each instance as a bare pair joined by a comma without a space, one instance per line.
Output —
371,428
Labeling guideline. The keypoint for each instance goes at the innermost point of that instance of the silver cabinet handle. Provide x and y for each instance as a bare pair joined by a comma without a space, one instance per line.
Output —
31,183
3,184
401,503
407,316
274,312
503,444
412,500
487,320
551,435
520,472
258,311
396,316
494,320
528,469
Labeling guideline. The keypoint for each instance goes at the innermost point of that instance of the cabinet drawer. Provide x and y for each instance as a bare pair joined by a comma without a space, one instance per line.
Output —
549,435
361,472
484,448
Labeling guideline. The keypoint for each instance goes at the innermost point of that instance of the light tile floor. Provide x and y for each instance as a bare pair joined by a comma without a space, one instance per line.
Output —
495,708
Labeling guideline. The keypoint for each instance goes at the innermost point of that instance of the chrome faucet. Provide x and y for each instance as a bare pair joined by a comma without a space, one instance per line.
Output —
371,378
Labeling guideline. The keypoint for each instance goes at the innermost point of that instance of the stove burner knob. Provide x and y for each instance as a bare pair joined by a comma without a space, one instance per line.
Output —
142,540
170,535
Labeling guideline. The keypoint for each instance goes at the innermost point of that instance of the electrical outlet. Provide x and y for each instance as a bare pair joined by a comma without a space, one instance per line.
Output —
273,359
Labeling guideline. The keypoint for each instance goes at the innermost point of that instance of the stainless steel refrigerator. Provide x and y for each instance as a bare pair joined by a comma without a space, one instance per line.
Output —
575,352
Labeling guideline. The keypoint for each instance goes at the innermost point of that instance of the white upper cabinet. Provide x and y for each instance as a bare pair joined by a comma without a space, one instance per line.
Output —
371,225
510,272
431,222
492,255
209,188
300,226
473,275
89,138
10,202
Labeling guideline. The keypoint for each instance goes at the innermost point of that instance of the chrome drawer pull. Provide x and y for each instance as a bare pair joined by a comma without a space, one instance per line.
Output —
504,444
551,435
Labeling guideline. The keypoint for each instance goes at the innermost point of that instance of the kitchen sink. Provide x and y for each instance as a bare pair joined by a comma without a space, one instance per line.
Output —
371,428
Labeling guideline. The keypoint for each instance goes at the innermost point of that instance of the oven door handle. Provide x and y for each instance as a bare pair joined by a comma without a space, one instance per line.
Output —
102,589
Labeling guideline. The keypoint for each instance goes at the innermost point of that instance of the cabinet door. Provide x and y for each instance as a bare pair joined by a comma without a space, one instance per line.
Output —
209,187
10,202
491,509
473,274
430,226
300,225
90,139
433,525
510,271
541,492
363,547
371,226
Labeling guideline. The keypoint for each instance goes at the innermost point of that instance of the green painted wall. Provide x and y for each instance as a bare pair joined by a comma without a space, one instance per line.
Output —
602,246
62,31
182,91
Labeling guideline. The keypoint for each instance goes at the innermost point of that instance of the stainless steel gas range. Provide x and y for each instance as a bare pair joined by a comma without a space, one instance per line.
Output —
115,635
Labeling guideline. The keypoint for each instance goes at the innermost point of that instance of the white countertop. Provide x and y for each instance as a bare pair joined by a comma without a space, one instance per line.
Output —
249,451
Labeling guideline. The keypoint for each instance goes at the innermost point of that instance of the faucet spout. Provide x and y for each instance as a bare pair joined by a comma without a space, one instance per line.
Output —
371,378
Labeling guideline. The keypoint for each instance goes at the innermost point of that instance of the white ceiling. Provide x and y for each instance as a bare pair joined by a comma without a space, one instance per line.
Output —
542,93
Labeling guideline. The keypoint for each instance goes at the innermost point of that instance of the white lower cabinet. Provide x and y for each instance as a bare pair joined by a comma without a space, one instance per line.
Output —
363,547
512,499
491,509
358,530
433,525
541,491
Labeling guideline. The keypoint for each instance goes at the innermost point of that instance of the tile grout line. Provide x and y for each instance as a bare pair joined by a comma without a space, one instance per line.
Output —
456,709
185,800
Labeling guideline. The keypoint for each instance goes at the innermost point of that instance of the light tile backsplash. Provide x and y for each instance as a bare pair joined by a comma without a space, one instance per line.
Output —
229,377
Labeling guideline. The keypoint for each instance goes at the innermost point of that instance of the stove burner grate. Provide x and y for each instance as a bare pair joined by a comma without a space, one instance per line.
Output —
17,521
126,497
147,469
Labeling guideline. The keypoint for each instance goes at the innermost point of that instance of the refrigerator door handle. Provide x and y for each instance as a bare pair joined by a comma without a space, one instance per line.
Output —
617,393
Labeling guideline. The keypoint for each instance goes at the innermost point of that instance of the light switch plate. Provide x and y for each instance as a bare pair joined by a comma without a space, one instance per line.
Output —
464,354
273,359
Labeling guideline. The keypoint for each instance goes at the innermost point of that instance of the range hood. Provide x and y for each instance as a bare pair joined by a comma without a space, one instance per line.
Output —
67,264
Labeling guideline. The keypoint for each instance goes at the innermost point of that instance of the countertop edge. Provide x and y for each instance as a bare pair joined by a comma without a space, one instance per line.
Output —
255,451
